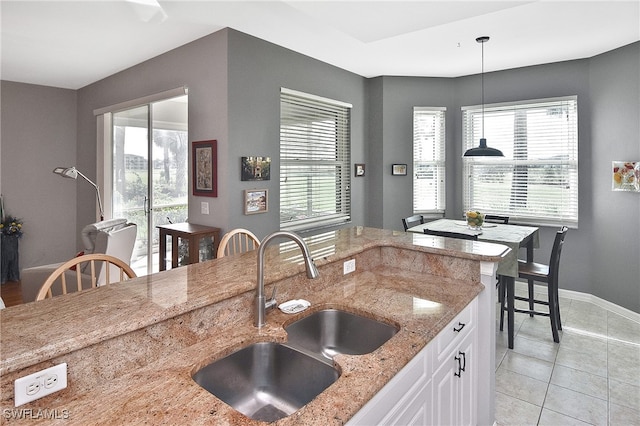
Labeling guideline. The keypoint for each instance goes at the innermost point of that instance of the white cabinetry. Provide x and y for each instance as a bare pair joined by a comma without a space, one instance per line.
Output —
455,378
438,386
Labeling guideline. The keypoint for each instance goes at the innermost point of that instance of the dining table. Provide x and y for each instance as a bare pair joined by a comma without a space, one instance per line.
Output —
513,236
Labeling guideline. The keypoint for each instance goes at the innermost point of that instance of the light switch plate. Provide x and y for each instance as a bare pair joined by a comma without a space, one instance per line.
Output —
204,207
43,383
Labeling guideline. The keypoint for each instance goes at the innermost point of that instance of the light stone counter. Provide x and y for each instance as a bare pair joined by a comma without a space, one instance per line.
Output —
132,347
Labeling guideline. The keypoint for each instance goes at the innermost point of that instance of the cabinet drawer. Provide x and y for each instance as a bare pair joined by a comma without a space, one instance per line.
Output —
457,329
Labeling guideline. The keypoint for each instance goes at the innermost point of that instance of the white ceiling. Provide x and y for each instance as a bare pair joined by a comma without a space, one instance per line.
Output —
71,44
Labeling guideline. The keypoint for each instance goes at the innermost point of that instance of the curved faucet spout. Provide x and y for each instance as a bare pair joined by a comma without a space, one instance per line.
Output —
312,272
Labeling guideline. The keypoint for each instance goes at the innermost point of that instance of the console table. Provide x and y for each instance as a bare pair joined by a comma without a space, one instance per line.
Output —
188,231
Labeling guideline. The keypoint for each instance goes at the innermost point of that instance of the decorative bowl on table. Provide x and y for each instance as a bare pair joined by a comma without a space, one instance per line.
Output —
475,219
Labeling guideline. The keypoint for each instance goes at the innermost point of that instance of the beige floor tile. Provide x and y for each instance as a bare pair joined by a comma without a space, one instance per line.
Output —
551,418
624,362
625,394
521,387
513,411
580,381
623,329
528,366
623,416
544,350
577,405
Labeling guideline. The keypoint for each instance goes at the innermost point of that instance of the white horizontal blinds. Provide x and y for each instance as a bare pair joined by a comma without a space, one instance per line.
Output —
537,180
314,161
428,160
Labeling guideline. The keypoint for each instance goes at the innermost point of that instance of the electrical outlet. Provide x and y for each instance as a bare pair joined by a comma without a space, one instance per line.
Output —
204,207
43,383
349,266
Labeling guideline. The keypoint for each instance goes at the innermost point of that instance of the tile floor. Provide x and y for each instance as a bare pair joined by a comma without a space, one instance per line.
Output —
592,377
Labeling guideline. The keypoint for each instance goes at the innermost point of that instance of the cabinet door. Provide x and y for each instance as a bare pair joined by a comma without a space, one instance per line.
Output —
454,386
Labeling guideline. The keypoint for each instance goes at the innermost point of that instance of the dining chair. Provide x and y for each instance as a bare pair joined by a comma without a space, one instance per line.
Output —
83,272
416,219
448,234
494,218
237,241
547,274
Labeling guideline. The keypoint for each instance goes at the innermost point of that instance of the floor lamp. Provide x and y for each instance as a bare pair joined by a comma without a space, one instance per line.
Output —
72,173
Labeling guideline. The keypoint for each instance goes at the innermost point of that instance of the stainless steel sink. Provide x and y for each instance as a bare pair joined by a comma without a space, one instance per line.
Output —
331,331
266,381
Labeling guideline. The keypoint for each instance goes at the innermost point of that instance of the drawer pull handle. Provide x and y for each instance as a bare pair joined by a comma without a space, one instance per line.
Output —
460,325
461,365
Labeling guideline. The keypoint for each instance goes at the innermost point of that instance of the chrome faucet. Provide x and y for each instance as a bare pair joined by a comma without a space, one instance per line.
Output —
262,305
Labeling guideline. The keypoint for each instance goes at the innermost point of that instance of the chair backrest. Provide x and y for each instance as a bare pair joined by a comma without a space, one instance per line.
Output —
119,243
448,234
416,219
95,261
237,241
556,251
494,218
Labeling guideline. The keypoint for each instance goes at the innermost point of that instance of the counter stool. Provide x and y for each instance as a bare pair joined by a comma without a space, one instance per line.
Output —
547,274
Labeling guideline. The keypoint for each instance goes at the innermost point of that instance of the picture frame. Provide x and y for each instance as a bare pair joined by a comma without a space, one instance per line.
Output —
256,201
625,176
255,168
359,169
205,168
399,169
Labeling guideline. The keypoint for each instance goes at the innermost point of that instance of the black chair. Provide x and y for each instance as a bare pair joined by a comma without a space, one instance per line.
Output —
451,235
548,274
416,219
493,218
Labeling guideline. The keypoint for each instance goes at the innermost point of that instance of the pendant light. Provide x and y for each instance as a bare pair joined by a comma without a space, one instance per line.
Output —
483,150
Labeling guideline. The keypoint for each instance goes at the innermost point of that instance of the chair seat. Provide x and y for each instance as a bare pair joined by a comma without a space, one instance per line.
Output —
533,271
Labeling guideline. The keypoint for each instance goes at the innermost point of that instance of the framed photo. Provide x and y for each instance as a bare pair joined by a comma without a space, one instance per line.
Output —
256,201
626,176
399,169
256,168
205,168
359,169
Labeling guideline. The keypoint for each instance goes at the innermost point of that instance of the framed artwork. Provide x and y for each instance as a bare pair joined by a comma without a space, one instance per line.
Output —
256,201
626,176
359,169
399,169
256,168
205,168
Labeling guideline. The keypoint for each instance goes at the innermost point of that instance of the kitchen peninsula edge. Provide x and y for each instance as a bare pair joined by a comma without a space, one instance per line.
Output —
132,347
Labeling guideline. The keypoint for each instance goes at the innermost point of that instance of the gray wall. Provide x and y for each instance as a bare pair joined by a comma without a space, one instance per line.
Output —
38,134
234,82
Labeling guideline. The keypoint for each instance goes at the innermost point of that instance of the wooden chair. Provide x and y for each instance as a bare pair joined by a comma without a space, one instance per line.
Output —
408,222
547,274
84,271
493,218
237,241
448,234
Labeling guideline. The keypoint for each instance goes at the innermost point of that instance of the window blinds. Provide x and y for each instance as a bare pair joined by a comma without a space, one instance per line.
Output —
428,160
314,161
537,180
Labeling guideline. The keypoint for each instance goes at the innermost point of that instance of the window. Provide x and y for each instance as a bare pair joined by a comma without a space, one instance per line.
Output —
315,175
537,180
428,160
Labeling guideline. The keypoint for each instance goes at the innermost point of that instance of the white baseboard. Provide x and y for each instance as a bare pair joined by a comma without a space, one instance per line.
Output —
586,297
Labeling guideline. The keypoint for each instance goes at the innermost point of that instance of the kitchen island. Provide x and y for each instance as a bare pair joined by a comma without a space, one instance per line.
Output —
132,347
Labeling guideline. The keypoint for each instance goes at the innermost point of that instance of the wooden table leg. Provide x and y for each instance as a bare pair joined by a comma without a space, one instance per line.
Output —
194,249
510,283
174,251
162,253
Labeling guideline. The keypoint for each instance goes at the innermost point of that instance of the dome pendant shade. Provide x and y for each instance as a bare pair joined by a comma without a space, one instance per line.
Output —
483,150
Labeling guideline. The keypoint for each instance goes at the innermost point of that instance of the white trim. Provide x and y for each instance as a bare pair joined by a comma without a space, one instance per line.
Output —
162,96
523,102
284,90
587,297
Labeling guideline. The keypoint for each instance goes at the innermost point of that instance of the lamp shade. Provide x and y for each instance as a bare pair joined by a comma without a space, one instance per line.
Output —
483,151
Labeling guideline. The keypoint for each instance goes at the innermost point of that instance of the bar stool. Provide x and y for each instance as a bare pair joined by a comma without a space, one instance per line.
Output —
411,221
548,274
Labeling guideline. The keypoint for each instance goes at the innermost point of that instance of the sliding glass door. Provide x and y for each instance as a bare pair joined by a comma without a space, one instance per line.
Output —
150,172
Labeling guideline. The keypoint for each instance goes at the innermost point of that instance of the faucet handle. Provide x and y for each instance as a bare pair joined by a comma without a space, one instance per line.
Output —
271,303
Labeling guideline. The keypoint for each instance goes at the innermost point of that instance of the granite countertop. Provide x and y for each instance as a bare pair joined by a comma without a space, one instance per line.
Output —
404,290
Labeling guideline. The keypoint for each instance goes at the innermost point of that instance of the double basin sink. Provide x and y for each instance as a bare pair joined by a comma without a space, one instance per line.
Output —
268,381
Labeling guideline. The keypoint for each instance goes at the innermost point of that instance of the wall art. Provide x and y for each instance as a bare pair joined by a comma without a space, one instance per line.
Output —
626,176
256,201
205,168
256,168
